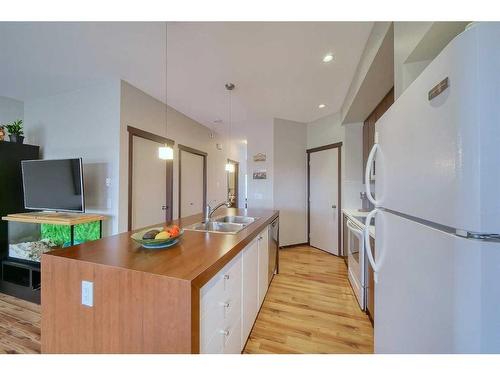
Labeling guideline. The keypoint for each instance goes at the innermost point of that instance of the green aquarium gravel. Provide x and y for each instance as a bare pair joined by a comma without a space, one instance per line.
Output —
61,234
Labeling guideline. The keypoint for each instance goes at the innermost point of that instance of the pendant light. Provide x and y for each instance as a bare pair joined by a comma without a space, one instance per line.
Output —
230,87
166,152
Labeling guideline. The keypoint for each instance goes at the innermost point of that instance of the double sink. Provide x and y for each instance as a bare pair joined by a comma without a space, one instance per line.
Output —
224,224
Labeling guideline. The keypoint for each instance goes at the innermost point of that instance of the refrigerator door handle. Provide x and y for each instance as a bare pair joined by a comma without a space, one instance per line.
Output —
368,172
368,248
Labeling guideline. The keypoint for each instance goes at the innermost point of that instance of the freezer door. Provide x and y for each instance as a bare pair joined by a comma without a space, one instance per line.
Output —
438,159
435,292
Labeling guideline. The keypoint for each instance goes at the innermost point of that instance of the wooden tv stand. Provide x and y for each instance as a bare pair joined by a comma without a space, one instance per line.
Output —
21,277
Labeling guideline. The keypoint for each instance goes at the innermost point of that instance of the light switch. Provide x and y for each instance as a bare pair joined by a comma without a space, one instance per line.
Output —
87,293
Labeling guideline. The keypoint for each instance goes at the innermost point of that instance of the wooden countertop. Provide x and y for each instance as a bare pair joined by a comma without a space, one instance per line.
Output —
196,258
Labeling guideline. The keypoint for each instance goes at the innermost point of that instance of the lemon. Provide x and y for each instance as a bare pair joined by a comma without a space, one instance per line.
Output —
162,236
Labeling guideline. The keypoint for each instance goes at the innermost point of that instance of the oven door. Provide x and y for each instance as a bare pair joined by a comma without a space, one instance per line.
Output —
356,262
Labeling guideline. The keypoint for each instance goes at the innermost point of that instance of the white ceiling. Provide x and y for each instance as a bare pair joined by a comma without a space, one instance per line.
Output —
277,67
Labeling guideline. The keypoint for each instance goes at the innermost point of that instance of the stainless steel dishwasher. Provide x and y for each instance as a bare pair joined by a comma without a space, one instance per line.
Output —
273,248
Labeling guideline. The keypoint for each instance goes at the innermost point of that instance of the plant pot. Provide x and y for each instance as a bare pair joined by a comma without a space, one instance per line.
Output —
16,138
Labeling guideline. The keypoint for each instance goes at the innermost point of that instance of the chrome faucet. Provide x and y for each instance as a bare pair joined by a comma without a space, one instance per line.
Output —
209,211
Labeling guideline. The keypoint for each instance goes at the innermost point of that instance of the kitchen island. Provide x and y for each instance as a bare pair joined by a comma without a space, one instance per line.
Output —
155,301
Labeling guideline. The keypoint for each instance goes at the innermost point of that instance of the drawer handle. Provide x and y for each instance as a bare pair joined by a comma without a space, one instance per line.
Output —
225,304
226,277
224,332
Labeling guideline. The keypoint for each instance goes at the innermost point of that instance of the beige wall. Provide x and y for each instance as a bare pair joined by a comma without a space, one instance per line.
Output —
290,180
142,111
83,123
329,130
10,110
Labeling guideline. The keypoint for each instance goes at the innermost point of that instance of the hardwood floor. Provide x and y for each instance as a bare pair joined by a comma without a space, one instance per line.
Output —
310,308
19,326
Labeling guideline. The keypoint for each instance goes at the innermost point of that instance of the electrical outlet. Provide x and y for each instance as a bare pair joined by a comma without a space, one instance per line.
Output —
87,293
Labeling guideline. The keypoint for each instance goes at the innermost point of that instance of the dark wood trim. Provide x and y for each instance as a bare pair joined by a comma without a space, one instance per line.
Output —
339,204
192,150
151,136
202,154
169,199
236,180
325,147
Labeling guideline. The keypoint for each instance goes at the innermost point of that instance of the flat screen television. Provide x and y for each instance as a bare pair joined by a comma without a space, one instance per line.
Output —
53,185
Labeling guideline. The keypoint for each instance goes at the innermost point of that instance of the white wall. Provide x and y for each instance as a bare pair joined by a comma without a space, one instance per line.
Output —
10,110
142,111
260,140
290,180
83,123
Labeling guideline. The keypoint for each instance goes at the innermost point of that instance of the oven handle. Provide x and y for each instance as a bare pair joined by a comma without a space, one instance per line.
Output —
359,232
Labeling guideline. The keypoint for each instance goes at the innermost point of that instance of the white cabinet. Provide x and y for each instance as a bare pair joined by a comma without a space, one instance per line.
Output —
263,243
250,290
230,301
220,310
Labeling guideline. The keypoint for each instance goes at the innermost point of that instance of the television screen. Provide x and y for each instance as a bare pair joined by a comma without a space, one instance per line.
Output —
55,185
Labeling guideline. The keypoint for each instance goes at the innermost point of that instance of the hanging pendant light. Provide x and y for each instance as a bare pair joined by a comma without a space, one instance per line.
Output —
230,167
230,87
166,152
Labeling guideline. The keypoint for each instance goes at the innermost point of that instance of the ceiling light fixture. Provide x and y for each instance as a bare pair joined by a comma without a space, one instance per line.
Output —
166,152
230,87
321,106
328,57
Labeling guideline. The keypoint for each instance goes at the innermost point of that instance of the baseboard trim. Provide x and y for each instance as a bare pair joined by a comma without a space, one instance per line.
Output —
294,245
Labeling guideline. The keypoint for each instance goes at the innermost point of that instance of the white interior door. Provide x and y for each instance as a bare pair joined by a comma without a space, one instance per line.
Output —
323,196
191,200
149,184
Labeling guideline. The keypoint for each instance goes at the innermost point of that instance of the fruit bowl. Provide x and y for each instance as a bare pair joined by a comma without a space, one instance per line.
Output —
156,243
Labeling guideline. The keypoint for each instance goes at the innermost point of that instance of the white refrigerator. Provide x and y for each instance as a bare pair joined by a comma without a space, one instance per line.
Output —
437,161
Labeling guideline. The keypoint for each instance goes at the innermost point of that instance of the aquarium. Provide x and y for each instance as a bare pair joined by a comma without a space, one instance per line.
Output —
28,241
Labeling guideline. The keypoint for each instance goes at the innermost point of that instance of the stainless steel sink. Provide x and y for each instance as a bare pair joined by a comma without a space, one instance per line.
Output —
236,219
216,227
224,224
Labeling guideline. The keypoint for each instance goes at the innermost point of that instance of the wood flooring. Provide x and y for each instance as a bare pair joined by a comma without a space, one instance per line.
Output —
19,326
310,308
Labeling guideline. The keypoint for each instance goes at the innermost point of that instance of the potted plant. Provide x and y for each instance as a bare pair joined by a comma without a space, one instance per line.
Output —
16,131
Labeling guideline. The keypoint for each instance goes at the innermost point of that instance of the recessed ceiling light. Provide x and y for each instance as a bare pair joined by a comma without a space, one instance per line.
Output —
322,106
328,57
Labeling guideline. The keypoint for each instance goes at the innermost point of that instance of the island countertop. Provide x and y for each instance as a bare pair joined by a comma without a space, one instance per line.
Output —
197,257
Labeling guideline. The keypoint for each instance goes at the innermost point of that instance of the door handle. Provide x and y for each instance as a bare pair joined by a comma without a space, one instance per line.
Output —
334,206
164,208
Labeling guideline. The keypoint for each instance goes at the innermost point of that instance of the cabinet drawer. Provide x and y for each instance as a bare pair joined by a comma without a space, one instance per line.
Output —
232,343
220,305
225,285
213,346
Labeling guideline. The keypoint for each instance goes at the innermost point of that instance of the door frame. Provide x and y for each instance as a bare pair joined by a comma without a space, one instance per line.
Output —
339,182
236,180
136,132
195,152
